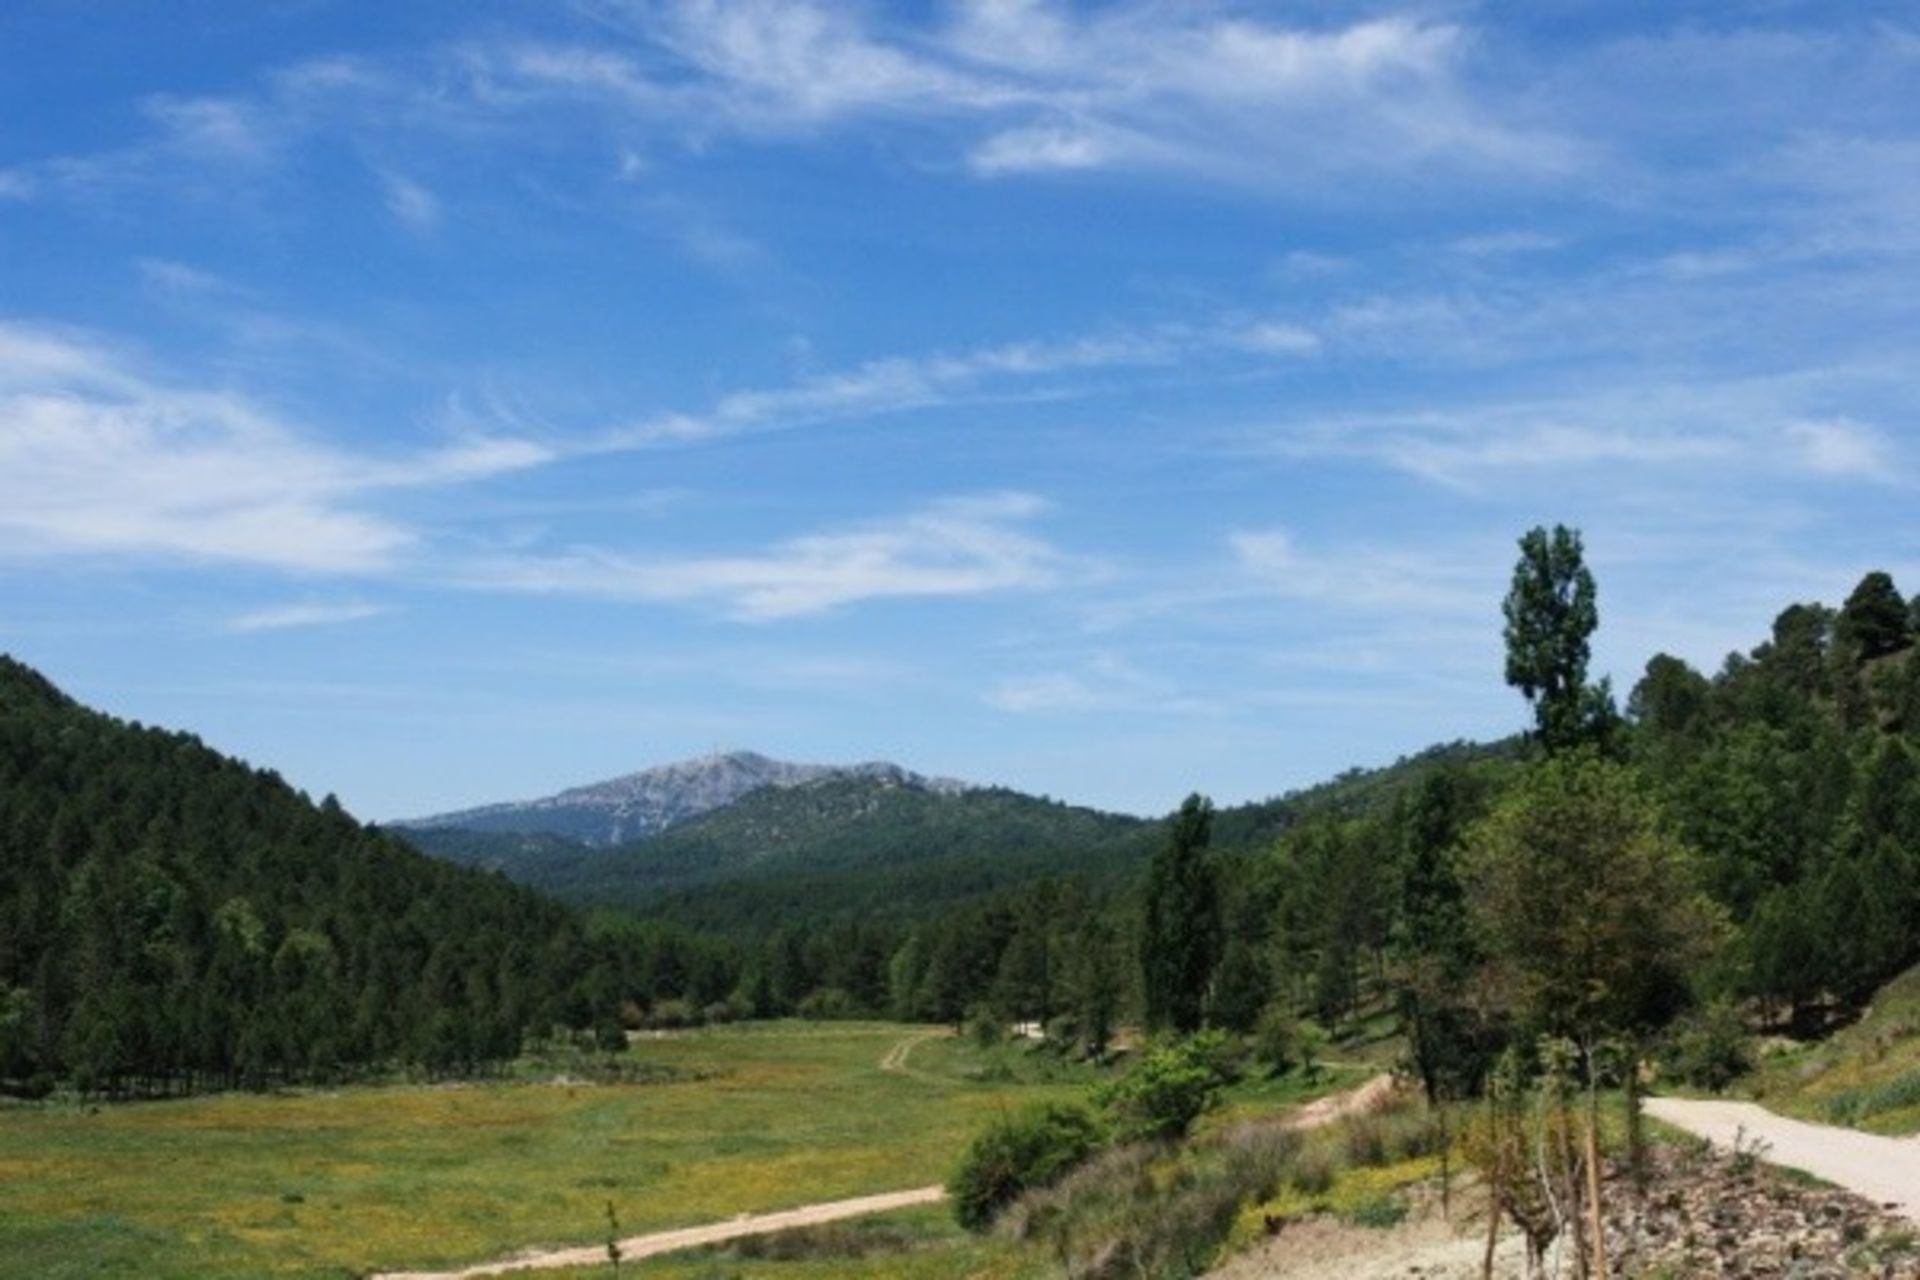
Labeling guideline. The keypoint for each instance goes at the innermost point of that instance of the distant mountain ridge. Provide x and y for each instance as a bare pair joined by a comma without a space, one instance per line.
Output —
635,806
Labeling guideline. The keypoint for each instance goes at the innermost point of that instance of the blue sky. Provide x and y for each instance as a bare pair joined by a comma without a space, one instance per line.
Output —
443,403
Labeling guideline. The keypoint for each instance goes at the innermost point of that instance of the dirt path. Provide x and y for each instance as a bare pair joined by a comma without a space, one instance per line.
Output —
1319,1112
894,1061
1884,1170
659,1242
1338,1106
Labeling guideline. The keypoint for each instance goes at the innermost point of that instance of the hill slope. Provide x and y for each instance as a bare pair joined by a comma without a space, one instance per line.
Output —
170,917
836,847
886,848
637,805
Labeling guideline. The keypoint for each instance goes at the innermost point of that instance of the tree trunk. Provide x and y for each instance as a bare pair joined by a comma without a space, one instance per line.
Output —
1593,1177
1494,1184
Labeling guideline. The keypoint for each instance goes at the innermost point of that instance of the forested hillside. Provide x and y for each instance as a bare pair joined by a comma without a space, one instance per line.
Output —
171,918
832,849
1766,818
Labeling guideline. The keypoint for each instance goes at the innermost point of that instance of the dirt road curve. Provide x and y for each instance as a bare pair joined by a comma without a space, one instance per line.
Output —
895,1060
1884,1170
659,1242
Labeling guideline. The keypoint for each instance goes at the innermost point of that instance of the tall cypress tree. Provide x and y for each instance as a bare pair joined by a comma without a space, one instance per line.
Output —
1551,615
1180,942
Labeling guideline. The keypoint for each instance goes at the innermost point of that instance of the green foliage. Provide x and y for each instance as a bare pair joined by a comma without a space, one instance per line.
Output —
1168,1088
1029,1149
1379,1213
175,920
1710,1048
1550,615
1180,934
1874,621
1241,989
1584,902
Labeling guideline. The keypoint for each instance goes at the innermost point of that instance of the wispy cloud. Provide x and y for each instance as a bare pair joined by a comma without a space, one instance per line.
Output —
897,383
1036,87
292,616
1504,243
411,203
1407,582
1758,427
1840,448
99,458
1104,682
957,547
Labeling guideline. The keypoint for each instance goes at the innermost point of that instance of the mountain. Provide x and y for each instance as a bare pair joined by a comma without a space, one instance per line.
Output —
884,847
637,805
835,847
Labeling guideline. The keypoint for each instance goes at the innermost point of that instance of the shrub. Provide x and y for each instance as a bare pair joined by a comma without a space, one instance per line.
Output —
1380,1213
828,1003
1017,1153
669,1015
1276,1040
1710,1049
985,1027
609,1036
1167,1089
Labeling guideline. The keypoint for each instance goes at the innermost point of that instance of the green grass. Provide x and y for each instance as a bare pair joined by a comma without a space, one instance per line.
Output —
333,1183
1866,1075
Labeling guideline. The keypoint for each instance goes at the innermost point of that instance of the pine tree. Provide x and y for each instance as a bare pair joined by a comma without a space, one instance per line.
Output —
1180,938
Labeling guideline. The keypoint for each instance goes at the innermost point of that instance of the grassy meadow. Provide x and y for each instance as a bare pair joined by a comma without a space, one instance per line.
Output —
337,1183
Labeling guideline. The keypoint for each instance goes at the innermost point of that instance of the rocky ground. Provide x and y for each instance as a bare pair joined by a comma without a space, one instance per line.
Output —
1710,1214
1704,1215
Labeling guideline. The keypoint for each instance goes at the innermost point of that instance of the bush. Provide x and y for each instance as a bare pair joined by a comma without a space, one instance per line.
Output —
1276,1040
670,1015
827,1004
1381,1213
1168,1089
985,1027
1710,1048
609,1036
1017,1153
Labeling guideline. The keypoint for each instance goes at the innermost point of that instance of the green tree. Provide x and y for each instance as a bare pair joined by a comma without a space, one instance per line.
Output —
1180,938
1584,901
1094,982
1433,948
1242,987
1551,615
1671,699
1874,622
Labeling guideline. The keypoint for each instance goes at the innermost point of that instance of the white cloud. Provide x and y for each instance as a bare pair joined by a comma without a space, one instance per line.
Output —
897,383
410,202
1840,448
1276,339
1104,682
957,547
217,128
1506,243
1401,581
1036,148
1039,87
169,276
291,616
99,459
